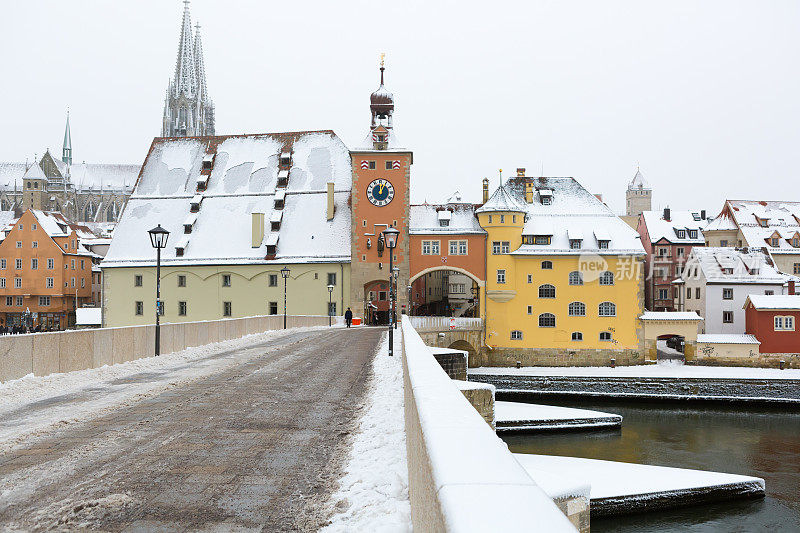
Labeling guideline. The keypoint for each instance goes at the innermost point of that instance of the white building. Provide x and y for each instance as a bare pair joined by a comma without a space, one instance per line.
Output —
717,281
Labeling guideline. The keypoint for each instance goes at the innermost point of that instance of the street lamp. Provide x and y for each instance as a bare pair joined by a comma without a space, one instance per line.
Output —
285,273
158,238
390,236
330,299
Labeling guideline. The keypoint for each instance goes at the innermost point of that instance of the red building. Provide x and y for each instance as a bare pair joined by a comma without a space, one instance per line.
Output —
773,319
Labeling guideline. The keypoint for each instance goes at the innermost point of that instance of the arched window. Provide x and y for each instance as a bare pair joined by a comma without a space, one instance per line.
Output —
577,336
111,213
516,335
607,309
89,212
607,278
577,309
547,320
547,291
5,205
575,278
547,265
605,336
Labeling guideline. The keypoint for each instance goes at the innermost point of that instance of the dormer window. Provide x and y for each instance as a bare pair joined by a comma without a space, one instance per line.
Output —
280,198
502,219
283,178
202,182
208,161
444,223
575,244
763,222
681,233
194,203
541,239
179,251
444,217
796,242
692,233
775,242
286,159
603,245
547,200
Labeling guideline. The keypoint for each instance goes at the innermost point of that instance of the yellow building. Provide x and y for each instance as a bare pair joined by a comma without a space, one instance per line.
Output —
238,209
564,278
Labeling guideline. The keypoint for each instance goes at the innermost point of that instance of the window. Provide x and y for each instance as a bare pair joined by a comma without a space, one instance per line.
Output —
35,244
137,280
72,263
502,219
444,222
516,335
3,264
495,247
331,308
796,242
795,269
83,264
784,323
501,276
18,264
430,247
490,219
607,278
530,309
769,292
504,247
663,294
19,244
688,293
727,294
681,234
723,243
603,245
458,247
605,336
34,227
541,239
181,280
17,283
9,301
547,265
547,291
44,301
607,309
226,281
530,278
49,283
51,264
2,283
575,278
547,200
73,282
547,320
680,252
727,317
513,219
577,309
273,280
382,295
388,165
692,233
19,301
181,308
697,293
273,308
663,252
331,278
775,242
577,336
575,244
139,308
83,283
34,264
372,165
227,309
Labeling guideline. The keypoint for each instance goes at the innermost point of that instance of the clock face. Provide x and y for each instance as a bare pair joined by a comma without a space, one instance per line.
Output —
380,192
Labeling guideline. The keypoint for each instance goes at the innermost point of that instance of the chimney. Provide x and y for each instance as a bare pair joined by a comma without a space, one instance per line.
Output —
528,190
485,190
520,172
702,214
258,229
331,207
791,287
666,214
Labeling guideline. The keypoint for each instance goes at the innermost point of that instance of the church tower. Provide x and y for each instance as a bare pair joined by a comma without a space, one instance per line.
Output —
188,111
380,198
66,150
639,196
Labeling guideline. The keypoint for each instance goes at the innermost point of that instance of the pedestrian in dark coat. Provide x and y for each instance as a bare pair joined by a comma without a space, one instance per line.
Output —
348,317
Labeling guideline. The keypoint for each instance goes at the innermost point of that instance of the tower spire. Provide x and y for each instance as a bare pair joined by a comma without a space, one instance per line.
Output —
200,68
185,77
66,150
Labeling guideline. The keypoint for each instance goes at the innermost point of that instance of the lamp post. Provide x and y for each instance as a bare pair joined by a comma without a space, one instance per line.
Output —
158,238
330,300
410,307
390,236
395,274
285,273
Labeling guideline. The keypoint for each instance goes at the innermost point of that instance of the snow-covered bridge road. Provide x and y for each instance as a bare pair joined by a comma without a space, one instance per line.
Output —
251,445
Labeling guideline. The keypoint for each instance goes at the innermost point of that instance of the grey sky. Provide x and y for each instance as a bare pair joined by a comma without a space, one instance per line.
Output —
704,95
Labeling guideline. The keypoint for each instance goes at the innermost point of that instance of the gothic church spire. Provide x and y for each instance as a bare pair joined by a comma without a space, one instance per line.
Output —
185,77
66,150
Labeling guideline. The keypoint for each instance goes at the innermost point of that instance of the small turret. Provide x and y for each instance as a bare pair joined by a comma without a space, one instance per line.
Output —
66,151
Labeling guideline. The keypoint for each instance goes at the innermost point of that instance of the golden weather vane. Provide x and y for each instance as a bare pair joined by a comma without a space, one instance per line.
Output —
383,56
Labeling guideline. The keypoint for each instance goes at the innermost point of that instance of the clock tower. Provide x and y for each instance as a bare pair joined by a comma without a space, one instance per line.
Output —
380,198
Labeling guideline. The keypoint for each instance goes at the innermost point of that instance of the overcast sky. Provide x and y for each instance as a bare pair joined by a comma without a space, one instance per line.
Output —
703,95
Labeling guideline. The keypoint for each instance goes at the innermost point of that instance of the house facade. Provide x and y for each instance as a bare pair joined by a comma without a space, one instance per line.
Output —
717,281
773,320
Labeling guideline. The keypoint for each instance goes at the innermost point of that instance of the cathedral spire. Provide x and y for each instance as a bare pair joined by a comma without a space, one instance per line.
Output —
200,68
185,77
66,150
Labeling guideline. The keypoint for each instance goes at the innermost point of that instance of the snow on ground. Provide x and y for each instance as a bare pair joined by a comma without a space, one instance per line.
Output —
373,493
32,405
609,479
665,369
524,412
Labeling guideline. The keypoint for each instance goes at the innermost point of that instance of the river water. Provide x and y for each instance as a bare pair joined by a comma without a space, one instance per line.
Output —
742,440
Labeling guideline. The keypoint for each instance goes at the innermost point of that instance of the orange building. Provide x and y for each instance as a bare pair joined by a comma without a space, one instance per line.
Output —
45,272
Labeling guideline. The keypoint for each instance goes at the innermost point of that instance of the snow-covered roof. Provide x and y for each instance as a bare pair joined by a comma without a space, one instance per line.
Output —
732,266
502,200
638,181
670,315
34,172
242,181
727,338
424,219
777,216
722,223
572,211
774,301
82,175
658,228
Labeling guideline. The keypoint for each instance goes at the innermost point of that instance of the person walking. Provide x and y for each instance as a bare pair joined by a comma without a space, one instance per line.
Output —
348,317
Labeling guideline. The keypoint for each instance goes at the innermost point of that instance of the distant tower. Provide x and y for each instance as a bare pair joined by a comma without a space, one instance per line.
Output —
66,151
188,111
381,105
639,196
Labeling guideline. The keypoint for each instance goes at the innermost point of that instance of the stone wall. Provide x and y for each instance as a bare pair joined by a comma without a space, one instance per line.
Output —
453,362
552,357
481,396
64,351
577,510
751,359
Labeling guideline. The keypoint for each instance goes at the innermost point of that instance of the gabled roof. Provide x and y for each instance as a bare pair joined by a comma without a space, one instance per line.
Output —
34,172
783,302
638,181
732,266
424,219
749,215
658,228
501,200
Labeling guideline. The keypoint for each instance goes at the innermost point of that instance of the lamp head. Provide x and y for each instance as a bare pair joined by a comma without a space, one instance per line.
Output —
330,288
158,237
390,235
285,272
